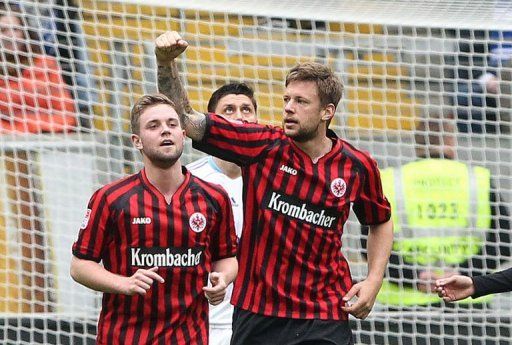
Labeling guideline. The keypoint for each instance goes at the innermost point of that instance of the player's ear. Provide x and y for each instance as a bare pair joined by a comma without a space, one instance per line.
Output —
137,143
328,112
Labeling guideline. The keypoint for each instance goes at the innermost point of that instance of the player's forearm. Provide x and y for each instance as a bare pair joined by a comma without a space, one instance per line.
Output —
94,276
228,267
169,84
380,241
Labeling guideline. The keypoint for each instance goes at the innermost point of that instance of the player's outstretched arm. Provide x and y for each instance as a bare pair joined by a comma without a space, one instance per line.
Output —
95,276
380,241
455,288
223,274
168,46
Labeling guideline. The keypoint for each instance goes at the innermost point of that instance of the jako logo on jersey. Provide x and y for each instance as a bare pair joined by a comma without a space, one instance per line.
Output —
291,207
197,222
338,187
141,220
288,170
85,221
165,257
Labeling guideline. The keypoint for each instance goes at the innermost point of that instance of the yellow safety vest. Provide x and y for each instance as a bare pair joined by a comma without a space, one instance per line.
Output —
441,215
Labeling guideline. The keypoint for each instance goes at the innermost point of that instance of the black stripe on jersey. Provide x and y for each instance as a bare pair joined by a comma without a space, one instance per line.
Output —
367,188
120,204
245,129
354,175
284,234
348,158
239,158
103,204
205,190
349,185
130,300
176,224
255,234
155,298
307,251
141,202
328,301
125,299
363,162
185,241
246,144
324,195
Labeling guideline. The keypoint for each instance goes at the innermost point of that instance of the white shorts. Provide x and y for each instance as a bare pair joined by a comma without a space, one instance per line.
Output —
220,336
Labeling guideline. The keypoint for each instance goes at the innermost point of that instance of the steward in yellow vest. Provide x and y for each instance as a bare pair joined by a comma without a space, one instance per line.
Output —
447,220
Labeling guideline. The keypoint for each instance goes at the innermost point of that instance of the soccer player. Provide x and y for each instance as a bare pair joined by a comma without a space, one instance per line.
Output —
458,287
159,233
236,102
300,181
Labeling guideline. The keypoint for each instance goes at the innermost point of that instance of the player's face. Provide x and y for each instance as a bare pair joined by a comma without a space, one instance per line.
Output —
302,114
11,35
236,107
161,137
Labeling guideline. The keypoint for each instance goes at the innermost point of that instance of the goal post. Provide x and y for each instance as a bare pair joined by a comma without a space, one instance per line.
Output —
400,61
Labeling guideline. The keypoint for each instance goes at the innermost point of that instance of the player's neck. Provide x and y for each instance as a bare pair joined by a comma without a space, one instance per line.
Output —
315,148
229,169
166,180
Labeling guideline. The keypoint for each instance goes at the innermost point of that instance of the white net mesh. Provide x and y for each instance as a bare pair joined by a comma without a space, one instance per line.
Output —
399,60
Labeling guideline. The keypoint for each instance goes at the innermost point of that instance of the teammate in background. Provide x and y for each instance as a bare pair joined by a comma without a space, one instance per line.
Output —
299,182
235,102
449,219
159,233
459,287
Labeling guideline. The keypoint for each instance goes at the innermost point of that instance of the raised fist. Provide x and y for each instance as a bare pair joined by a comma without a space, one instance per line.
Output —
168,46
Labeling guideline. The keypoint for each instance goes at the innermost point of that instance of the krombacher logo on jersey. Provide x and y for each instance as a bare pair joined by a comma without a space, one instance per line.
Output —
292,207
165,257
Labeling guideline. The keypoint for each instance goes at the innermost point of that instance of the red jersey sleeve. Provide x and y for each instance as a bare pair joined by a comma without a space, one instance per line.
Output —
372,207
91,238
237,142
223,241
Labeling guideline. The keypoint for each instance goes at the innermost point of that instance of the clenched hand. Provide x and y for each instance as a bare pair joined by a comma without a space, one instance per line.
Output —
169,46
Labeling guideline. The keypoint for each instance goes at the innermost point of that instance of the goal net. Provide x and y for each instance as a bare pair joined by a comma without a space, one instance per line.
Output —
401,62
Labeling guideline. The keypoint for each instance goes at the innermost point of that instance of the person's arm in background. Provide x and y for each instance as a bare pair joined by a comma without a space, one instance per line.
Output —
168,46
380,241
459,287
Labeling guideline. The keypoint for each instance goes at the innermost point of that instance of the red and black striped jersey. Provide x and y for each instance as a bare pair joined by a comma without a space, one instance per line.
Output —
289,254
129,225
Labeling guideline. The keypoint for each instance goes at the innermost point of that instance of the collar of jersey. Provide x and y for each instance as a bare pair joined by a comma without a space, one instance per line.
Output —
159,194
